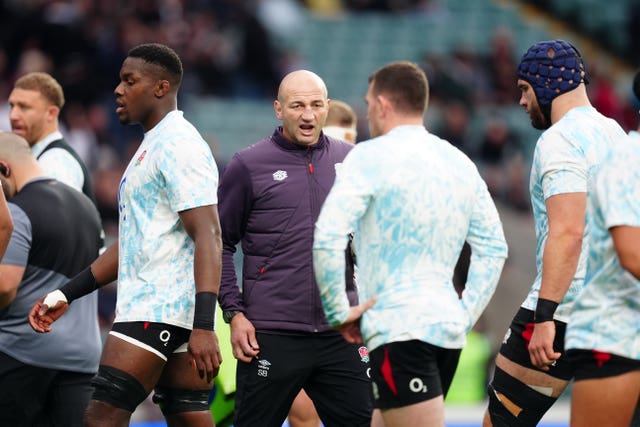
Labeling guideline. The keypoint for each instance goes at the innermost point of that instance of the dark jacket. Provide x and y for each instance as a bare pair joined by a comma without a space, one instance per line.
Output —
270,197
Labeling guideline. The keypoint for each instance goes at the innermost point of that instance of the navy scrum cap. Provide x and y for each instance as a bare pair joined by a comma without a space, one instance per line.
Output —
552,68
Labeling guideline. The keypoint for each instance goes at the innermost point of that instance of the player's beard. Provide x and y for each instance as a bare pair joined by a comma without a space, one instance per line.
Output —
539,120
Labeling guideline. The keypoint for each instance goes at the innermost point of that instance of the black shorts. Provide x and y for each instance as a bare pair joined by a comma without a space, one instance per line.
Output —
158,338
333,372
590,364
408,372
516,343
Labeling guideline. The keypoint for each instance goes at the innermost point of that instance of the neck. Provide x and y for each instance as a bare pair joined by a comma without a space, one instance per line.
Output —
401,120
26,172
568,101
158,114
46,131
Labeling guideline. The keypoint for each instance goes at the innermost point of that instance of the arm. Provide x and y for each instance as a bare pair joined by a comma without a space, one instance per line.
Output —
235,203
10,275
48,309
10,278
626,240
566,216
203,226
344,206
6,224
488,254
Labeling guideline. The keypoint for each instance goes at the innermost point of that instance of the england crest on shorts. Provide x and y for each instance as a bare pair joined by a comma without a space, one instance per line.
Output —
364,354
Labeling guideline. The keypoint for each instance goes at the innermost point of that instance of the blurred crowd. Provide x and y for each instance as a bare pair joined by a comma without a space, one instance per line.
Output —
230,49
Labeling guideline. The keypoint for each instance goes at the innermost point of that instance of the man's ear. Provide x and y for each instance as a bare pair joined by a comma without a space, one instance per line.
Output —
53,112
162,87
277,107
385,105
5,170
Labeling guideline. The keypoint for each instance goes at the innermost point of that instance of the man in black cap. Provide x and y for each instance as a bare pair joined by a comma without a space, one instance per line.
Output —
531,367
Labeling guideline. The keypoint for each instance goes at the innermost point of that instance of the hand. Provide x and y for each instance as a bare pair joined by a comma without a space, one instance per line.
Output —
205,352
541,345
350,329
351,332
42,315
243,338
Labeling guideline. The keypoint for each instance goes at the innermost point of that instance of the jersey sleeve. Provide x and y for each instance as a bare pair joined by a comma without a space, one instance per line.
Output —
562,165
190,174
346,203
20,243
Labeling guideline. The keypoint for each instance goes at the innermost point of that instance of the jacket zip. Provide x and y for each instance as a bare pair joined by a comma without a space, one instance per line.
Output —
312,204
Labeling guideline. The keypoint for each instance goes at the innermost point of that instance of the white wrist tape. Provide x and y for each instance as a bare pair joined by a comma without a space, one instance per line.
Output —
52,298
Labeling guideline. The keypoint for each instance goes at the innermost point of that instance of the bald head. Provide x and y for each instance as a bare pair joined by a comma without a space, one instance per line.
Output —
302,105
14,147
17,164
300,80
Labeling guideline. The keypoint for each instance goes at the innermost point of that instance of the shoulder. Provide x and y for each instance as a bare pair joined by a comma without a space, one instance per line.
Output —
338,145
60,153
18,214
255,152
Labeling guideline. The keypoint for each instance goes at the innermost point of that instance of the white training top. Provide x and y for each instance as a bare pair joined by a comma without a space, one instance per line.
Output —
606,315
411,199
58,163
172,170
565,158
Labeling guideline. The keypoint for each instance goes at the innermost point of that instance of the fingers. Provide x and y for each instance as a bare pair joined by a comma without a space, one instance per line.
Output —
351,333
36,321
245,351
367,305
39,322
541,350
243,340
544,358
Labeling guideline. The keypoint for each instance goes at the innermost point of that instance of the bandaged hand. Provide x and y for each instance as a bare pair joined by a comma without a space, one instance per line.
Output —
47,310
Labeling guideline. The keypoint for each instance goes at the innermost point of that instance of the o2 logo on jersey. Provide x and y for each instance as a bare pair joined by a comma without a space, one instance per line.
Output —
121,204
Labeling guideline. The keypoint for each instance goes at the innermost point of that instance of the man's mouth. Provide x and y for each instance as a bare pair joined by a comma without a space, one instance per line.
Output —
17,129
307,128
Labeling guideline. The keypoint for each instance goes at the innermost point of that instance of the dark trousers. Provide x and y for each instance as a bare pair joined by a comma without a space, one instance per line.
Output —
333,372
32,396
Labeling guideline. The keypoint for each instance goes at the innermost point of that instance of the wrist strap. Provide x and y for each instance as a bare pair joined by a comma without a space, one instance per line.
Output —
80,285
204,313
544,310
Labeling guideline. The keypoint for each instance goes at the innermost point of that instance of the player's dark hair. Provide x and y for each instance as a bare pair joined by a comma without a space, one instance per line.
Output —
162,56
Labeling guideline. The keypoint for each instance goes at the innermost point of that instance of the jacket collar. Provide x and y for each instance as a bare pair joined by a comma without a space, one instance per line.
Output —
279,138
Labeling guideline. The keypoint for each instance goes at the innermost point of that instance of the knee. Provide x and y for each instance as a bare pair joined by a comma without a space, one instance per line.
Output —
117,388
176,400
513,403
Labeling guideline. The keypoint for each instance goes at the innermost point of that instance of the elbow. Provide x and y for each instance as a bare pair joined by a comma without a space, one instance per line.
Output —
571,236
631,263
6,297
6,229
